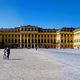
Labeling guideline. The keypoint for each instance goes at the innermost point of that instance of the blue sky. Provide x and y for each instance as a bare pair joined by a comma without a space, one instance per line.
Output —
42,13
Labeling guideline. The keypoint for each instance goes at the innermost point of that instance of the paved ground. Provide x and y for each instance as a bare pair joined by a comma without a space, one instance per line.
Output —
29,64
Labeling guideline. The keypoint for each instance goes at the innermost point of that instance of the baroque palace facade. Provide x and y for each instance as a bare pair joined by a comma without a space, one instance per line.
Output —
33,36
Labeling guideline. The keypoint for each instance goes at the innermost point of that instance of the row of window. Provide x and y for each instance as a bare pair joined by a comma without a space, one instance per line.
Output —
10,35
65,35
28,35
29,29
39,35
64,41
68,46
77,40
29,41
39,46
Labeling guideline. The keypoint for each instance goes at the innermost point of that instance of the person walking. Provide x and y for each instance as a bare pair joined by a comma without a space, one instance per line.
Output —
8,52
5,54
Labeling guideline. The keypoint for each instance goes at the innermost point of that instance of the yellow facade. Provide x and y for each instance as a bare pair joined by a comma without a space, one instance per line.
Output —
65,38
28,37
32,37
77,38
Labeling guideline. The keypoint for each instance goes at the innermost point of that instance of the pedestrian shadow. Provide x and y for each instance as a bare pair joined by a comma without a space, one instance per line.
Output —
17,59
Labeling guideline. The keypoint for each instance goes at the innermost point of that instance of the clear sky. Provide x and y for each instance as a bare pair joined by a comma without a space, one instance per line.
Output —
42,13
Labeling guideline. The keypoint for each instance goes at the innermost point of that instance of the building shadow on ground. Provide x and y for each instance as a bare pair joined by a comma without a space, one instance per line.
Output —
17,59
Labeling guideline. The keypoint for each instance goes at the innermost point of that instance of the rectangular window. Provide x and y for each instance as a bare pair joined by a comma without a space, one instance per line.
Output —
15,40
35,35
2,40
41,35
2,35
48,40
22,40
54,41
15,35
29,35
22,35
18,40
9,40
42,41
32,41
28,40
32,35
61,41
65,41
35,40
45,40
5,40
64,34
51,40
9,35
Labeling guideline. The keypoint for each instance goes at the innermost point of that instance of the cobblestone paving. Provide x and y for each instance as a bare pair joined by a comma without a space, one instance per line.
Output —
28,64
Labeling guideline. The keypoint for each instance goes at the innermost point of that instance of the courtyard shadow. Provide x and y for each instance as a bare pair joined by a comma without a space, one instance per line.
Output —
17,59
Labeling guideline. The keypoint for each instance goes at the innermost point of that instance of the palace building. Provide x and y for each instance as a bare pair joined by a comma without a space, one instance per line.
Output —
27,37
77,38
36,37
65,38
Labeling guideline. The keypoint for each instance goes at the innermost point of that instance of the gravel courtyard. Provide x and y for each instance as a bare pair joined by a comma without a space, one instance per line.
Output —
29,64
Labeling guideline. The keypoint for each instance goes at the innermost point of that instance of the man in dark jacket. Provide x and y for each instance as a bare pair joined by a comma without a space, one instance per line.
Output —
8,52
